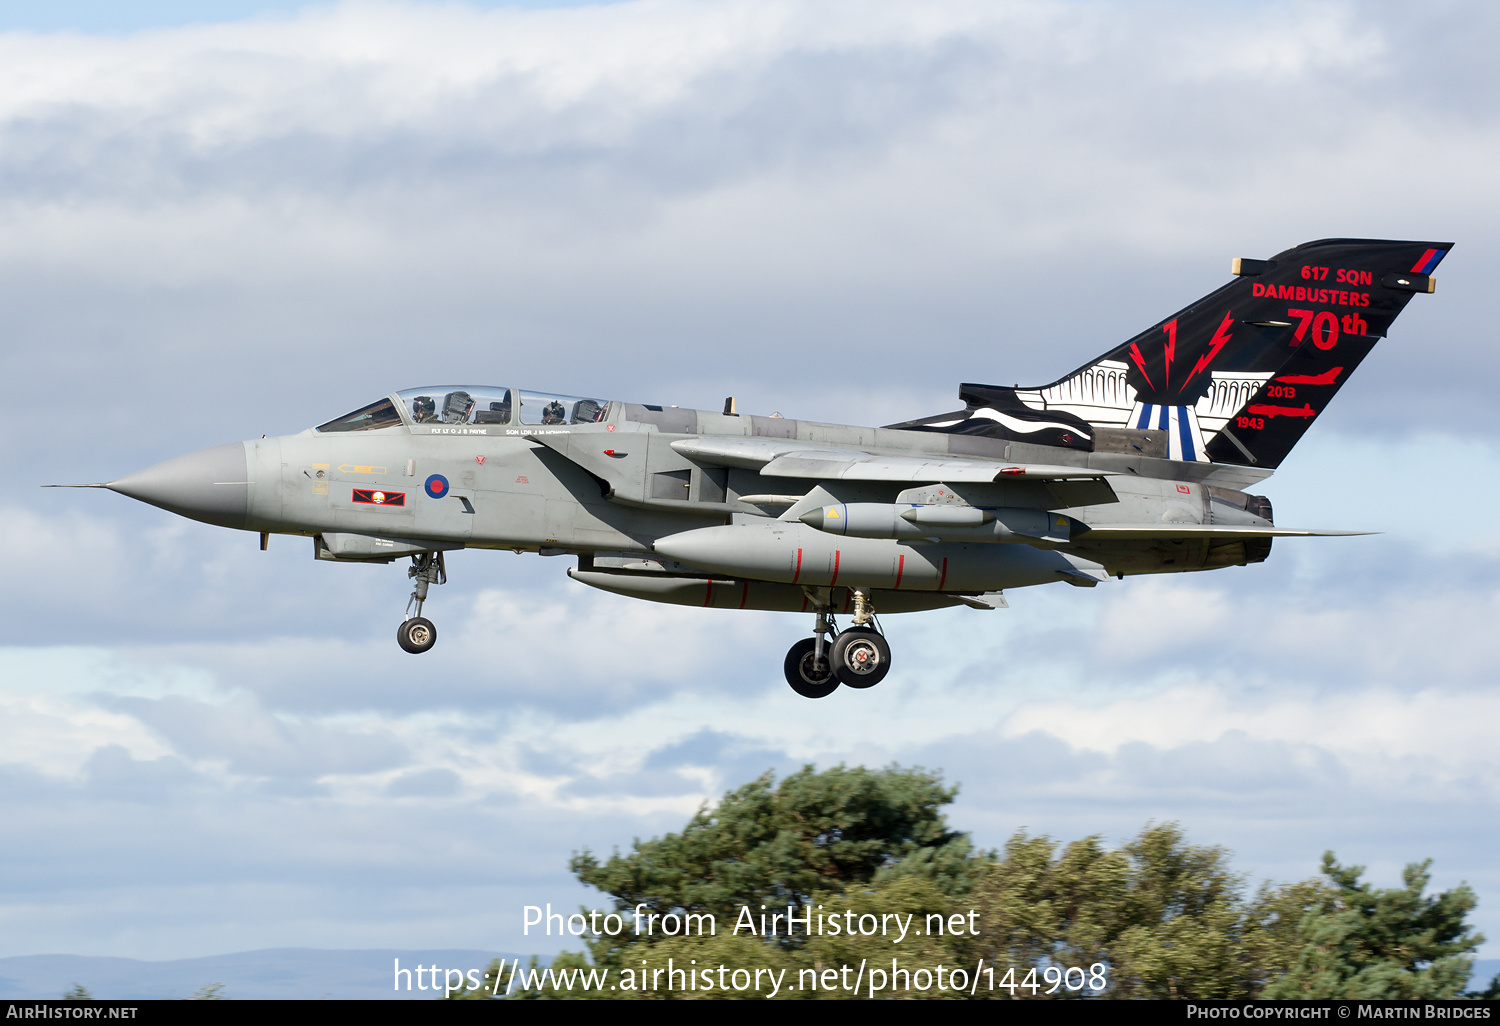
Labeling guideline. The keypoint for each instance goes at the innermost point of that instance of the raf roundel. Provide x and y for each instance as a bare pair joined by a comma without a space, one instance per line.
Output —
437,486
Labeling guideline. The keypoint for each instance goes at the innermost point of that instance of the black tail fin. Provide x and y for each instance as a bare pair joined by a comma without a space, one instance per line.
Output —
1239,376
1335,298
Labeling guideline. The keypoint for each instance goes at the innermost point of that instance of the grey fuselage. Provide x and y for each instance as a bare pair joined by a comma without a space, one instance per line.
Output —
615,490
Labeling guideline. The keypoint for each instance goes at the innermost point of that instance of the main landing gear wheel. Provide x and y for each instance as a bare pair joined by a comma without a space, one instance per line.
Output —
809,676
416,635
860,657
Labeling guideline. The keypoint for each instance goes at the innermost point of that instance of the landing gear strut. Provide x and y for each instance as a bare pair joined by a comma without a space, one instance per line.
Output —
858,657
417,633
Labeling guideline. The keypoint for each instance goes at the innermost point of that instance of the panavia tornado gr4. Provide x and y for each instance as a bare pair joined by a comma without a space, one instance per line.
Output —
1139,462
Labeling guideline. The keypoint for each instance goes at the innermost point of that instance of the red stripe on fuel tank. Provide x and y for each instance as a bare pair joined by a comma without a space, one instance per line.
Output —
944,579
848,598
900,569
804,604
708,593
835,568
745,595
798,572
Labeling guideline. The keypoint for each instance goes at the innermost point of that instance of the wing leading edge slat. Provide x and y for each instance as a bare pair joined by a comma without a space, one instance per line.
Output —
780,458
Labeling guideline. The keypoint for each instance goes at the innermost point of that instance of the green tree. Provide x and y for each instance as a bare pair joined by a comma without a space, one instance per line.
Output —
1161,918
1270,930
1037,908
1164,916
77,992
1181,921
909,896
775,845
1360,942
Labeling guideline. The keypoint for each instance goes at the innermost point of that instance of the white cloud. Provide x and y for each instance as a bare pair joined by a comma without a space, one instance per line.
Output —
57,736
1390,741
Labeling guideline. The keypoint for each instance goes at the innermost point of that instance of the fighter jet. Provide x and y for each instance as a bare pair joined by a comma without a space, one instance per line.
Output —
1138,462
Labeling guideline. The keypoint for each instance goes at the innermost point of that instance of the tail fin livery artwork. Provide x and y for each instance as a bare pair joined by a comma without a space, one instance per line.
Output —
1141,461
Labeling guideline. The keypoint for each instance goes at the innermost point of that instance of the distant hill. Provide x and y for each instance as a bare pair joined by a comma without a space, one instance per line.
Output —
272,973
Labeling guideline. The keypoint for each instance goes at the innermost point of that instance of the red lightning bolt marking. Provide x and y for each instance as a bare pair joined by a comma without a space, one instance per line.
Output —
1171,329
1219,341
1140,361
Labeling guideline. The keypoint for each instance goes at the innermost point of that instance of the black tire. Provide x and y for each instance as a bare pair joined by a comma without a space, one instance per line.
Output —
860,657
416,635
804,676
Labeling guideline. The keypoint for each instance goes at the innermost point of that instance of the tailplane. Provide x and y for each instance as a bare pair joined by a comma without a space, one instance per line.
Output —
1237,377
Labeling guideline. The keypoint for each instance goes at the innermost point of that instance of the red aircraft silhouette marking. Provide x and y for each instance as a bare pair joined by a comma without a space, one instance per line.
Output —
1282,411
1326,378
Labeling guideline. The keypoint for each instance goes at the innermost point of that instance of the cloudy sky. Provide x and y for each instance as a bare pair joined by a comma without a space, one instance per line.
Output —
222,220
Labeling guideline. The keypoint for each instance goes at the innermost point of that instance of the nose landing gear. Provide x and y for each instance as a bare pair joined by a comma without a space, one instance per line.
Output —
417,633
858,657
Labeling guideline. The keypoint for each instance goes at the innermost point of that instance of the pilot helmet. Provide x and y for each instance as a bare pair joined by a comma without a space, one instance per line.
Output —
423,408
553,413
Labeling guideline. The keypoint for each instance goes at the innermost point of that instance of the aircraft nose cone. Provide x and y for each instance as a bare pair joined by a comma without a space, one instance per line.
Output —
211,485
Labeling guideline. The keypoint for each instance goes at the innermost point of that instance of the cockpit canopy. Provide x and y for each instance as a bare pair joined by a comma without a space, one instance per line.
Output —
470,405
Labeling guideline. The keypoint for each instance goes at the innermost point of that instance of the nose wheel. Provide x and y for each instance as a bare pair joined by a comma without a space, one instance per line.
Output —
858,657
417,633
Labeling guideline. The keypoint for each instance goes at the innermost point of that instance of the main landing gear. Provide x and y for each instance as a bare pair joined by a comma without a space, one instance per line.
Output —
858,657
417,633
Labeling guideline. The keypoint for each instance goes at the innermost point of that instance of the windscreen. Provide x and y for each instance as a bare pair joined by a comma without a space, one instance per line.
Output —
368,418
